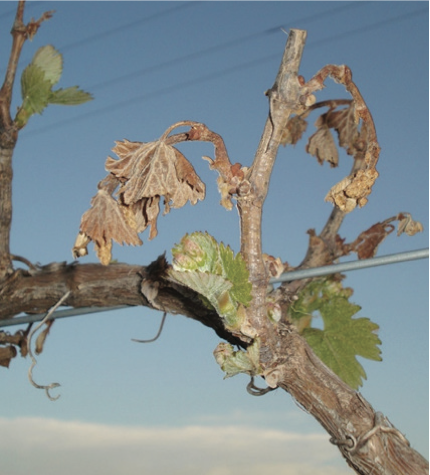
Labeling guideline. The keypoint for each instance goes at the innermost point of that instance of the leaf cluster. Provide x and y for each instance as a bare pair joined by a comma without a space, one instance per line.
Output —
37,81
144,173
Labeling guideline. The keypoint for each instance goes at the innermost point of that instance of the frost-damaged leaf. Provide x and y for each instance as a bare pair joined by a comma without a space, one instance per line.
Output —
149,171
103,222
142,214
352,190
294,130
321,145
6,354
343,337
408,225
366,244
155,169
344,122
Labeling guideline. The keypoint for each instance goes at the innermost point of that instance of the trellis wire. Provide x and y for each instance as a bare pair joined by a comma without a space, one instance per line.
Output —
286,277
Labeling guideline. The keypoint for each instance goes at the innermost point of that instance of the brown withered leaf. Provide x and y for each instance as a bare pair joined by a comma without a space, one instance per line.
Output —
366,244
321,145
408,225
103,222
155,169
144,213
6,354
126,151
343,121
294,130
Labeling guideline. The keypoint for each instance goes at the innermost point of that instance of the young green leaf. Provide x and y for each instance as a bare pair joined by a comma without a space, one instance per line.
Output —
35,91
37,80
212,270
50,61
235,271
71,96
343,337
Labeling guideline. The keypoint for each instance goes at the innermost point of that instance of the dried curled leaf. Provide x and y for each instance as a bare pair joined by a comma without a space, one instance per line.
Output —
321,145
352,190
408,225
294,130
366,245
102,223
6,354
144,172
155,169
147,172
345,124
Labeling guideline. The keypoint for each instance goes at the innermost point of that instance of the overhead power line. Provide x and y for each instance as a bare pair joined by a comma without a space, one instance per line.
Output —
286,277
206,77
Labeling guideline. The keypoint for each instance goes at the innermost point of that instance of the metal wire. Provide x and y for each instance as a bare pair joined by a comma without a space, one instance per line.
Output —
286,277
355,265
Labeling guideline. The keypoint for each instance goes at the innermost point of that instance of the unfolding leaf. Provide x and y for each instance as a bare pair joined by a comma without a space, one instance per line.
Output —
104,222
197,251
233,362
343,337
50,61
408,225
212,270
321,145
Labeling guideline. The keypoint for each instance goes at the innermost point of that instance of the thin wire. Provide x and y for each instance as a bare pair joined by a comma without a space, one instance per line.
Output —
286,277
218,47
120,29
349,266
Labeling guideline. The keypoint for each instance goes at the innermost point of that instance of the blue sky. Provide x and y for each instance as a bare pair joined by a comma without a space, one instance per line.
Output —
148,65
